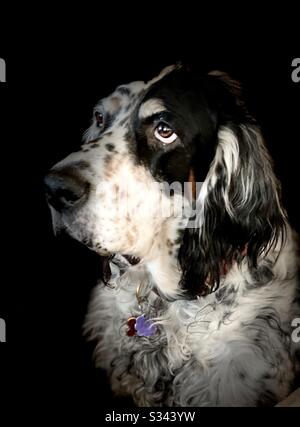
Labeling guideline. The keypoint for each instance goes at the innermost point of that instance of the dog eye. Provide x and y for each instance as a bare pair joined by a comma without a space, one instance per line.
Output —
99,117
165,133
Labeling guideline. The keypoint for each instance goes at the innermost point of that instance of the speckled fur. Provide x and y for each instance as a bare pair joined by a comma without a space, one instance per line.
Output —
230,348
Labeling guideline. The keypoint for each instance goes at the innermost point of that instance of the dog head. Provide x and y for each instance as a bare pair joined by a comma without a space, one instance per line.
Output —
125,191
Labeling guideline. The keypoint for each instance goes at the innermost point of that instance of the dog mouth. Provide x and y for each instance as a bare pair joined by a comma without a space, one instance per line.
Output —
132,260
62,230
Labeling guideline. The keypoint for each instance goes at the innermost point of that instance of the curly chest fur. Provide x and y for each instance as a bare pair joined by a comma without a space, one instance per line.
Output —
230,348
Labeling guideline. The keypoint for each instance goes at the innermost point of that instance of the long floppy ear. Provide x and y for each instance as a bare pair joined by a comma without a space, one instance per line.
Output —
238,209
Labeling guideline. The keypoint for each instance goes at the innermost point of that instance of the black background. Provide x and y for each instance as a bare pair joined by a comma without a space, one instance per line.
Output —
54,77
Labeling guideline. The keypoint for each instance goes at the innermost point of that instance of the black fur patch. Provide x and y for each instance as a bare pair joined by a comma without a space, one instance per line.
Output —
107,159
123,90
95,145
197,107
110,147
190,116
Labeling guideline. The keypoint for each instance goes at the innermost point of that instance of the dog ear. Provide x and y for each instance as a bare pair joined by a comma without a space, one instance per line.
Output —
239,213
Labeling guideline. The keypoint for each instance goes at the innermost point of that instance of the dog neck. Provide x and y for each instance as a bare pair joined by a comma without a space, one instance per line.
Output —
165,274
162,261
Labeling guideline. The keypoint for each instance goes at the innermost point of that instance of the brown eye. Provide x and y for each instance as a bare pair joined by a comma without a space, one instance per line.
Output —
99,119
164,133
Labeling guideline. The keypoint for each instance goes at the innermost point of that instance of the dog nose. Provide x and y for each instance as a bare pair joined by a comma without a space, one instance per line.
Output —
65,188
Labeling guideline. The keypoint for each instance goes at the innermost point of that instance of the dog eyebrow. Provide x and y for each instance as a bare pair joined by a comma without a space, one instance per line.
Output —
151,107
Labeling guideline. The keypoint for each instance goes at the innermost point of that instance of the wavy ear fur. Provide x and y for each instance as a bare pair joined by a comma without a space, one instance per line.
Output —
239,210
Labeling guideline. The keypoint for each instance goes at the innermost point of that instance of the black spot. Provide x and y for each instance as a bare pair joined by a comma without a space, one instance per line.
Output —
128,107
226,316
219,169
82,165
95,145
267,377
123,90
93,141
107,159
159,386
85,150
226,294
123,121
170,244
262,275
110,147
267,398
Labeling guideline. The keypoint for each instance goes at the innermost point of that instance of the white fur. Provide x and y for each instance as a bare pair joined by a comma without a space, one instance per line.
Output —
207,349
150,107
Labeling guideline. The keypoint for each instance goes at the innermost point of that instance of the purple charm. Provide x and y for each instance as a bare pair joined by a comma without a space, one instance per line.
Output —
143,327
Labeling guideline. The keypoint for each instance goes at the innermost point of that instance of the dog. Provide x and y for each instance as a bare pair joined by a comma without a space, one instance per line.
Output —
174,188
